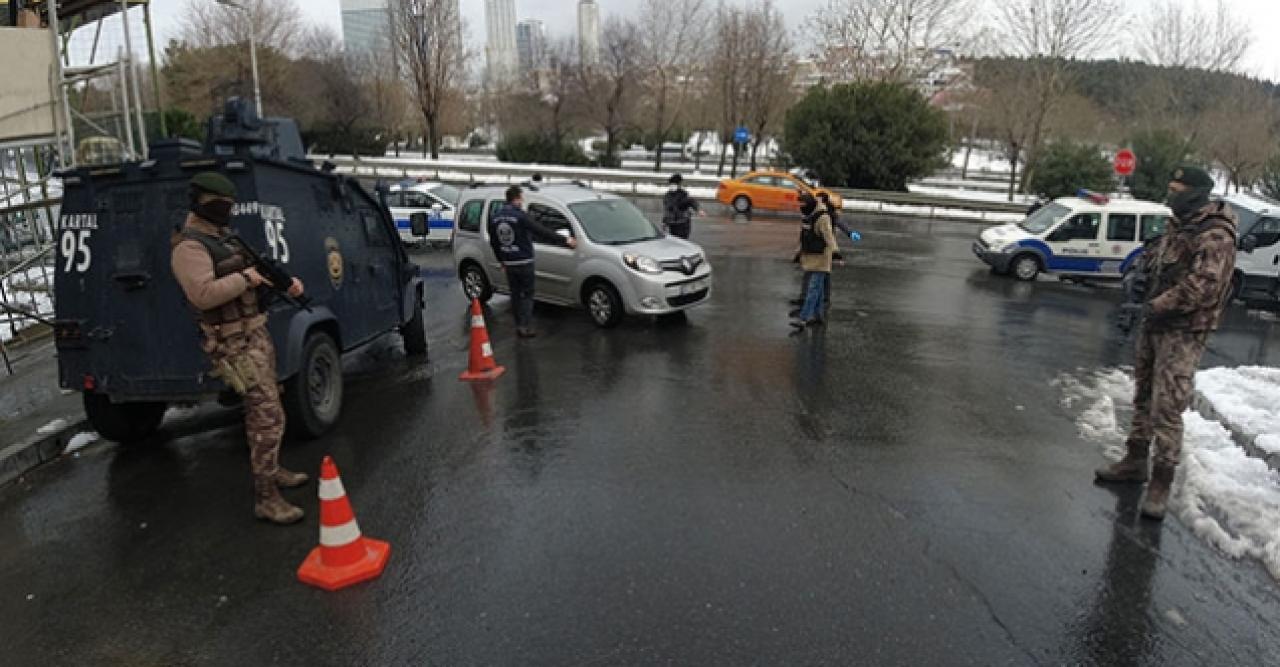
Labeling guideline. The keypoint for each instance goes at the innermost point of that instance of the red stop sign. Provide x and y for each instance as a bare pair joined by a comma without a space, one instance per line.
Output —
1126,162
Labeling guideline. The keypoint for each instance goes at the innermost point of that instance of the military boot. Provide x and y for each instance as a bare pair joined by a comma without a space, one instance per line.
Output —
1130,469
1157,500
269,505
287,479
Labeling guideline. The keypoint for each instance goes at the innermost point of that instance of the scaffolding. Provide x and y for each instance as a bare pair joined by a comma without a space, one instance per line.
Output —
98,109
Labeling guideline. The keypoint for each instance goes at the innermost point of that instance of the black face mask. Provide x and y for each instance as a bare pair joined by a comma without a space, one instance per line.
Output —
216,211
1187,203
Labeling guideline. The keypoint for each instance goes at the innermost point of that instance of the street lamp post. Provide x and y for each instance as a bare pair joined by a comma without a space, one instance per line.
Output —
253,52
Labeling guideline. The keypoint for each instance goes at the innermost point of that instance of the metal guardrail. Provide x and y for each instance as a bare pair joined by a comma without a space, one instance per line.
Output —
632,182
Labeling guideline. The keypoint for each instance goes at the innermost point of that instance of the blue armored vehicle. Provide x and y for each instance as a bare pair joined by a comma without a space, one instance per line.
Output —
125,335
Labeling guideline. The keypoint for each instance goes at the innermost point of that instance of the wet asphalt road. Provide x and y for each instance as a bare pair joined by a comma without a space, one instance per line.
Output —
902,488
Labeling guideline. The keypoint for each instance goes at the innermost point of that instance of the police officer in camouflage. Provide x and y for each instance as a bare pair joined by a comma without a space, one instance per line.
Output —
222,287
1188,278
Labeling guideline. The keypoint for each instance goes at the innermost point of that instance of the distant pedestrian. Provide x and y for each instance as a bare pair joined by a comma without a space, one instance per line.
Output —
512,234
837,257
817,246
1188,275
678,208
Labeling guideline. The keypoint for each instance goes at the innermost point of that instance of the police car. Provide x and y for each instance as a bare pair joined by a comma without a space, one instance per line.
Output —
1257,277
1086,235
436,200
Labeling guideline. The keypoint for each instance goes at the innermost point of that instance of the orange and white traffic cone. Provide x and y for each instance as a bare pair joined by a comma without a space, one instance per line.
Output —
344,557
482,367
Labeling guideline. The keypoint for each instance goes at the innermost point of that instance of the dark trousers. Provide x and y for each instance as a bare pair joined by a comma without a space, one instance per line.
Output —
521,279
680,229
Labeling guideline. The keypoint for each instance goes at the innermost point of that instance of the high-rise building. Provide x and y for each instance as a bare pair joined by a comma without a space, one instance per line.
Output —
531,43
500,47
366,26
589,31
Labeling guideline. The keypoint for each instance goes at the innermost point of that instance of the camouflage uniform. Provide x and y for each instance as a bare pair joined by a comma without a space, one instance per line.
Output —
1189,273
1190,279
240,351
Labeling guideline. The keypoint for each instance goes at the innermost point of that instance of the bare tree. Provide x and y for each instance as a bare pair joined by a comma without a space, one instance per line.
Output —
1174,34
673,38
1050,33
428,36
610,85
729,75
885,39
768,67
1239,136
275,24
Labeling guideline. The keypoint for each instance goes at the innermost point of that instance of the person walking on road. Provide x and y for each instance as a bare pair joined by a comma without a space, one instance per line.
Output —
678,208
512,234
1188,274
222,287
817,246
824,201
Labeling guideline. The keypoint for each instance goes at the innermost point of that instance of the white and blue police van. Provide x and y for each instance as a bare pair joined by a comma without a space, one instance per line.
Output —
1257,277
1089,235
437,200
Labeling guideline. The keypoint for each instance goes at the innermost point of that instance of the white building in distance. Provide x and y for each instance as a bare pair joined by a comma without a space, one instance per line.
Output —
501,55
366,26
531,43
589,31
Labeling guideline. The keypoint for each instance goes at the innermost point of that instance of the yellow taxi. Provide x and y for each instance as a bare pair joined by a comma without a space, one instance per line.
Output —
768,190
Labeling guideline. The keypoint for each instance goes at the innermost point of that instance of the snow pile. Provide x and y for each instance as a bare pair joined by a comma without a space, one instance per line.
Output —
52,427
1226,497
80,441
1246,399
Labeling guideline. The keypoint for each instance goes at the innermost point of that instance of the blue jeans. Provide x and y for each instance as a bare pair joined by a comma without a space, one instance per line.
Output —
815,294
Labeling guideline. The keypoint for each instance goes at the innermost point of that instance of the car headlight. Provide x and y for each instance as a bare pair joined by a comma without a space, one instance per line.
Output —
642,263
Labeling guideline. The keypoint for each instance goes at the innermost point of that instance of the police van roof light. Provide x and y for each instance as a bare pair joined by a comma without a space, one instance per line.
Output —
1093,197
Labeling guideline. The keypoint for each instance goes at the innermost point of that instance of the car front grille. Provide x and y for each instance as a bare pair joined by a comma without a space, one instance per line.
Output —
687,265
678,301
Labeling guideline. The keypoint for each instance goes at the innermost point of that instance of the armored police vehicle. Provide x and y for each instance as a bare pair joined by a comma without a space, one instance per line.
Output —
126,337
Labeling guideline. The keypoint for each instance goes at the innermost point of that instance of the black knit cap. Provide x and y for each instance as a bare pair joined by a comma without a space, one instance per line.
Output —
1192,177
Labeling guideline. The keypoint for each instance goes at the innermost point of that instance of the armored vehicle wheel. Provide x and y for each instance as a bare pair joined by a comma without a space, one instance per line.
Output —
415,334
125,423
313,397
475,284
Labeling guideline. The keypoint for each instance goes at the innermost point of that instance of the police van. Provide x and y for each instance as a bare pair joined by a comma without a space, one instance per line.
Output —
436,200
1257,276
1089,235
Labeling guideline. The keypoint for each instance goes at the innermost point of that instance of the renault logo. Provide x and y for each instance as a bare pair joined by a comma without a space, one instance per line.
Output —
686,265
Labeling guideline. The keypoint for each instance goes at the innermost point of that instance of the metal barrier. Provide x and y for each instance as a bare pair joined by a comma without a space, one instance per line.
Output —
648,183
29,202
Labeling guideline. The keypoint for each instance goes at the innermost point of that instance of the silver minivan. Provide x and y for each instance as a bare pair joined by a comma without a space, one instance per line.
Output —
624,264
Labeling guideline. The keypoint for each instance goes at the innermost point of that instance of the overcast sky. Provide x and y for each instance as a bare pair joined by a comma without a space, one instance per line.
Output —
560,16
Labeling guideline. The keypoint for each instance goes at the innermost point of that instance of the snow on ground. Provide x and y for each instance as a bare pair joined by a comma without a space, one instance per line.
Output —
981,160
985,195
1247,399
1228,498
52,427
80,441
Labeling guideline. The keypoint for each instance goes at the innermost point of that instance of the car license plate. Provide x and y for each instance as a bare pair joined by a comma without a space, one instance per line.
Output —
690,288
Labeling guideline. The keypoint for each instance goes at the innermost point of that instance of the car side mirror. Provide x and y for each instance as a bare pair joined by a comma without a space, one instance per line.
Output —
418,224
564,232
1249,243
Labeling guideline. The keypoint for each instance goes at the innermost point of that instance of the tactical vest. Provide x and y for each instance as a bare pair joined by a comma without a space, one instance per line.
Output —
226,261
1173,263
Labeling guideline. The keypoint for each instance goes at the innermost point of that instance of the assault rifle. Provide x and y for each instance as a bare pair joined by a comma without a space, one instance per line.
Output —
279,280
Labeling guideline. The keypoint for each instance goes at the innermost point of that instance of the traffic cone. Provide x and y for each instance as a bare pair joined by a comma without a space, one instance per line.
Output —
482,366
344,557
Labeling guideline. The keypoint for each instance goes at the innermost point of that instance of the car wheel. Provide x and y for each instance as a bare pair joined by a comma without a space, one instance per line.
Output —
125,423
742,204
313,397
1025,267
415,332
475,284
605,305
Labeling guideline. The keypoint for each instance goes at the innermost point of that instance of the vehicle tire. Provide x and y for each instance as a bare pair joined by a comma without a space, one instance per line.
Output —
604,304
475,284
125,423
313,397
415,332
1237,288
742,204
1025,267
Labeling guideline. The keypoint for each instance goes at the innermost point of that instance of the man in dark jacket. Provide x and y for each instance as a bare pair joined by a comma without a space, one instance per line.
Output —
678,208
512,234
1188,278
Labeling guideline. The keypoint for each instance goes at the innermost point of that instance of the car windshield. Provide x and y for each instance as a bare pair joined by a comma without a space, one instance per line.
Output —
614,222
447,193
1042,220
